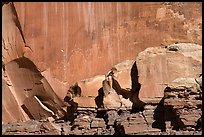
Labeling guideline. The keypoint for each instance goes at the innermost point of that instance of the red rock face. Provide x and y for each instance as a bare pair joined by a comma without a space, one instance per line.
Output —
68,42
74,41
10,108
159,66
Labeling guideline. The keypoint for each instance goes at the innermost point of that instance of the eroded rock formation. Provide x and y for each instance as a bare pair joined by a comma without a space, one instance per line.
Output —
177,112
184,97
160,65
105,34
41,62
32,91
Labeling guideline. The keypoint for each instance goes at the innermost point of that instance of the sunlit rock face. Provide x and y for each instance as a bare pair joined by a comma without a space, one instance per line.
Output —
159,66
74,41
70,42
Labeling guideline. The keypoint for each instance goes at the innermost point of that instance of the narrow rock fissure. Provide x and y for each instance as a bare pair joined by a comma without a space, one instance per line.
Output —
145,118
18,24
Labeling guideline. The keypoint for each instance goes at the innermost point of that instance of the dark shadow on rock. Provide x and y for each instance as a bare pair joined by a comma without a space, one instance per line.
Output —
199,124
132,94
99,98
71,110
27,112
170,115
164,113
29,82
75,90
101,113
119,129
135,79
71,114
120,91
159,116
138,105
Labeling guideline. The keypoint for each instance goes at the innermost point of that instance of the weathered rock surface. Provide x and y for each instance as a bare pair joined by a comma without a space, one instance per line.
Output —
105,34
29,128
158,66
91,86
43,56
110,122
112,100
186,102
87,98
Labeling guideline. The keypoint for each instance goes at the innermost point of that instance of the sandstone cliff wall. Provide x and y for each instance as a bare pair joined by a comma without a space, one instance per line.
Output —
74,41
68,42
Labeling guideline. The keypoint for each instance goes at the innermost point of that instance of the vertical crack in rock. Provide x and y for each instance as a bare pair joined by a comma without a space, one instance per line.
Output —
13,40
17,23
109,94
4,45
144,118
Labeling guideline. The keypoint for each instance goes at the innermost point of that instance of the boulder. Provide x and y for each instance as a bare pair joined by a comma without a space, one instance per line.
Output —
183,83
90,86
112,100
126,103
123,75
158,66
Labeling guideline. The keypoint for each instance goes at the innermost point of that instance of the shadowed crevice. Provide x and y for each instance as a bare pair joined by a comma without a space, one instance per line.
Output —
27,112
16,21
99,98
158,116
132,94
138,105
164,113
